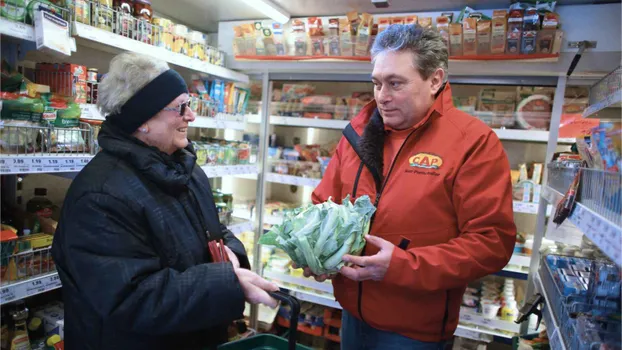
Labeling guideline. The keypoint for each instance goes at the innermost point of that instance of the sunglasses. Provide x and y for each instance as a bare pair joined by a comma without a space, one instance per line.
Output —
181,109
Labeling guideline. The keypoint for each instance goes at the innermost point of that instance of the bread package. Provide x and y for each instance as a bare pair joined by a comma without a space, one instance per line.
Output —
316,34
345,38
333,37
515,31
530,31
397,20
383,24
363,35
442,25
300,37
455,39
499,28
483,37
469,36
546,36
411,19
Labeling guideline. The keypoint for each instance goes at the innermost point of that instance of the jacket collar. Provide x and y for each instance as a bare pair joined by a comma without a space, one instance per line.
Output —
441,105
170,172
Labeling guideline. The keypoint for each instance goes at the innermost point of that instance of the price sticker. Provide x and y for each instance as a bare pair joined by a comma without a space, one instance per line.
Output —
486,321
466,317
20,30
35,287
7,294
53,282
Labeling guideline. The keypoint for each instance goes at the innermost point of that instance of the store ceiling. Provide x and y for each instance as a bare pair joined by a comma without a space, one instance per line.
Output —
204,15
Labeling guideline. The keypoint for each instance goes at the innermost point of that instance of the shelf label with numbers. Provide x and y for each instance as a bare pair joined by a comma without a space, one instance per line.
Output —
52,282
7,294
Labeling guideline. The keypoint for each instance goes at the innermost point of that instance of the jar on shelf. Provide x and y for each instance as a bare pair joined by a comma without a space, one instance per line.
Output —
244,153
81,10
102,14
180,43
143,13
196,45
123,19
162,33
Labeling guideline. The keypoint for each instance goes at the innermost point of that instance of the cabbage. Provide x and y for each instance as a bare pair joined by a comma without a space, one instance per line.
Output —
318,236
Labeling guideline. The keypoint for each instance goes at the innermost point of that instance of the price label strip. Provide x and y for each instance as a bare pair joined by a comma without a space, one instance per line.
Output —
25,289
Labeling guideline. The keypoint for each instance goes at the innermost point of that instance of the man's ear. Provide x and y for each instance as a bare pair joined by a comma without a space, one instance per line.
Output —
436,80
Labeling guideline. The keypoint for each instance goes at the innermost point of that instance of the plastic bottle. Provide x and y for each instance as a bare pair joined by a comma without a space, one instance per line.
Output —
38,206
19,335
509,312
36,334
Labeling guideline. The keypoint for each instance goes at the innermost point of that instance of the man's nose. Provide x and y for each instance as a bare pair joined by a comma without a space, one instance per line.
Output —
383,95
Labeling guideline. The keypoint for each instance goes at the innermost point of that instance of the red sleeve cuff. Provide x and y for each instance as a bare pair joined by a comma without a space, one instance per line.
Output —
397,272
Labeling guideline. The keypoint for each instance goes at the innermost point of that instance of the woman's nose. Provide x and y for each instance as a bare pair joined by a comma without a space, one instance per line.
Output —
189,116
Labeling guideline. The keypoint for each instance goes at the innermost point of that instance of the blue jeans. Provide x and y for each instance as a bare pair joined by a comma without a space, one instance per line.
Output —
358,335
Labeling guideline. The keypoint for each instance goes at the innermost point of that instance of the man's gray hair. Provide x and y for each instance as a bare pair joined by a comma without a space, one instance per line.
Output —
129,72
426,44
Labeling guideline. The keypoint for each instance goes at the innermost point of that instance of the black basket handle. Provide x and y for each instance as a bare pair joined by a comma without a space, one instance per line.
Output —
293,316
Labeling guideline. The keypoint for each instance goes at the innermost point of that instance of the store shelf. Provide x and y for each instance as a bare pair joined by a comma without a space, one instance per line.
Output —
228,170
107,41
309,122
492,325
42,163
17,30
608,108
528,136
221,121
90,111
472,333
239,227
602,232
292,180
550,319
29,287
529,208
325,287
314,331
314,298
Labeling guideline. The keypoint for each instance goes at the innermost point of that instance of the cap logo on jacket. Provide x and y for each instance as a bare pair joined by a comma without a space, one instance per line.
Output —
426,161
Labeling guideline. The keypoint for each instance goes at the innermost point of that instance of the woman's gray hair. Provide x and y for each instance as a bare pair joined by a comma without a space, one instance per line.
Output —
429,50
129,72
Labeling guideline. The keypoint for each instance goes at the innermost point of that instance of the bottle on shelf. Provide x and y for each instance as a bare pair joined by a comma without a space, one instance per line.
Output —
38,207
19,332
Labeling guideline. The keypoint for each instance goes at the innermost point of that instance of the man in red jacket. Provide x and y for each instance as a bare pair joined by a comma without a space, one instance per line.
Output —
440,180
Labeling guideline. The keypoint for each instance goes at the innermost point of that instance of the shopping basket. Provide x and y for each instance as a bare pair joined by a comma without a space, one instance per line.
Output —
271,341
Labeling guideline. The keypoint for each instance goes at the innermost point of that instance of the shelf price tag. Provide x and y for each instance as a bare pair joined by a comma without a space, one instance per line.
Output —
34,287
19,30
52,282
68,164
4,166
7,294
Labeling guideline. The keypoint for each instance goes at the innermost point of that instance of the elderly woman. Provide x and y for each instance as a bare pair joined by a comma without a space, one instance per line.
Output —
131,245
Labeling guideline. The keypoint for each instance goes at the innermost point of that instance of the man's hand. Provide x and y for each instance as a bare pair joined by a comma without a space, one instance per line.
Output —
256,288
369,267
233,258
320,278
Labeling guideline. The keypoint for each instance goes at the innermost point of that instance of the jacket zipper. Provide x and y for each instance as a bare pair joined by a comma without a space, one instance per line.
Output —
371,223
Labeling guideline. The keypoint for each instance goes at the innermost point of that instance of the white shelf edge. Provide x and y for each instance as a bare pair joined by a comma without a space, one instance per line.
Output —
240,227
602,232
309,122
119,42
472,333
42,163
17,29
485,331
220,122
29,287
325,287
292,180
313,298
229,170
253,118
612,100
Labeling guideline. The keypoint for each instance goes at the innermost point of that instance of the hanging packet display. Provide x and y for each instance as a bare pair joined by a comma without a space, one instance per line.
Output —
530,31
469,36
483,37
363,35
499,28
316,33
333,37
345,38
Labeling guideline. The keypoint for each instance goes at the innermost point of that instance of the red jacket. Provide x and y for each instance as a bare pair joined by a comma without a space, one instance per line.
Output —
448,191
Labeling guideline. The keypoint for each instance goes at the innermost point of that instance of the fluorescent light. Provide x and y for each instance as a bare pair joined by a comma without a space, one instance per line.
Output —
269,9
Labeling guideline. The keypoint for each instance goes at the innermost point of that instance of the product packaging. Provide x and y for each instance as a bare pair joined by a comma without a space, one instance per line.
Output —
546,36
333,37
316,33
354,20
239,43
469,36
499,28
300,38
383,24
81,10
345,38
455,39
530,31
268,41
363,35
449,15
143,13
279,39
515,31
102,14
258,39
52,34
484,32
536,177
425,22
123,20
466,11
180,41
398,20
411,19
442,25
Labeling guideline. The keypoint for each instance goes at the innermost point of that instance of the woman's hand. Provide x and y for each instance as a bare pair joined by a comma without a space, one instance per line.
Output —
308,273
256,288
233,258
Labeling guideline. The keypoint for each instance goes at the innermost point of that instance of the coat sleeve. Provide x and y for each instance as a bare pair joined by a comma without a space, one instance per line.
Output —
236,247
330,186
482,199
108,256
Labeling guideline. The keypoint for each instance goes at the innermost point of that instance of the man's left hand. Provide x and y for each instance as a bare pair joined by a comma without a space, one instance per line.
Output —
372,267
233,258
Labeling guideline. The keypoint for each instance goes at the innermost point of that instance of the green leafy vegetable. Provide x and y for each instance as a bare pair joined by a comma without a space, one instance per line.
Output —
318,236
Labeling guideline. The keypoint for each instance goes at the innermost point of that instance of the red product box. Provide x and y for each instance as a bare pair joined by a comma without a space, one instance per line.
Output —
64,79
